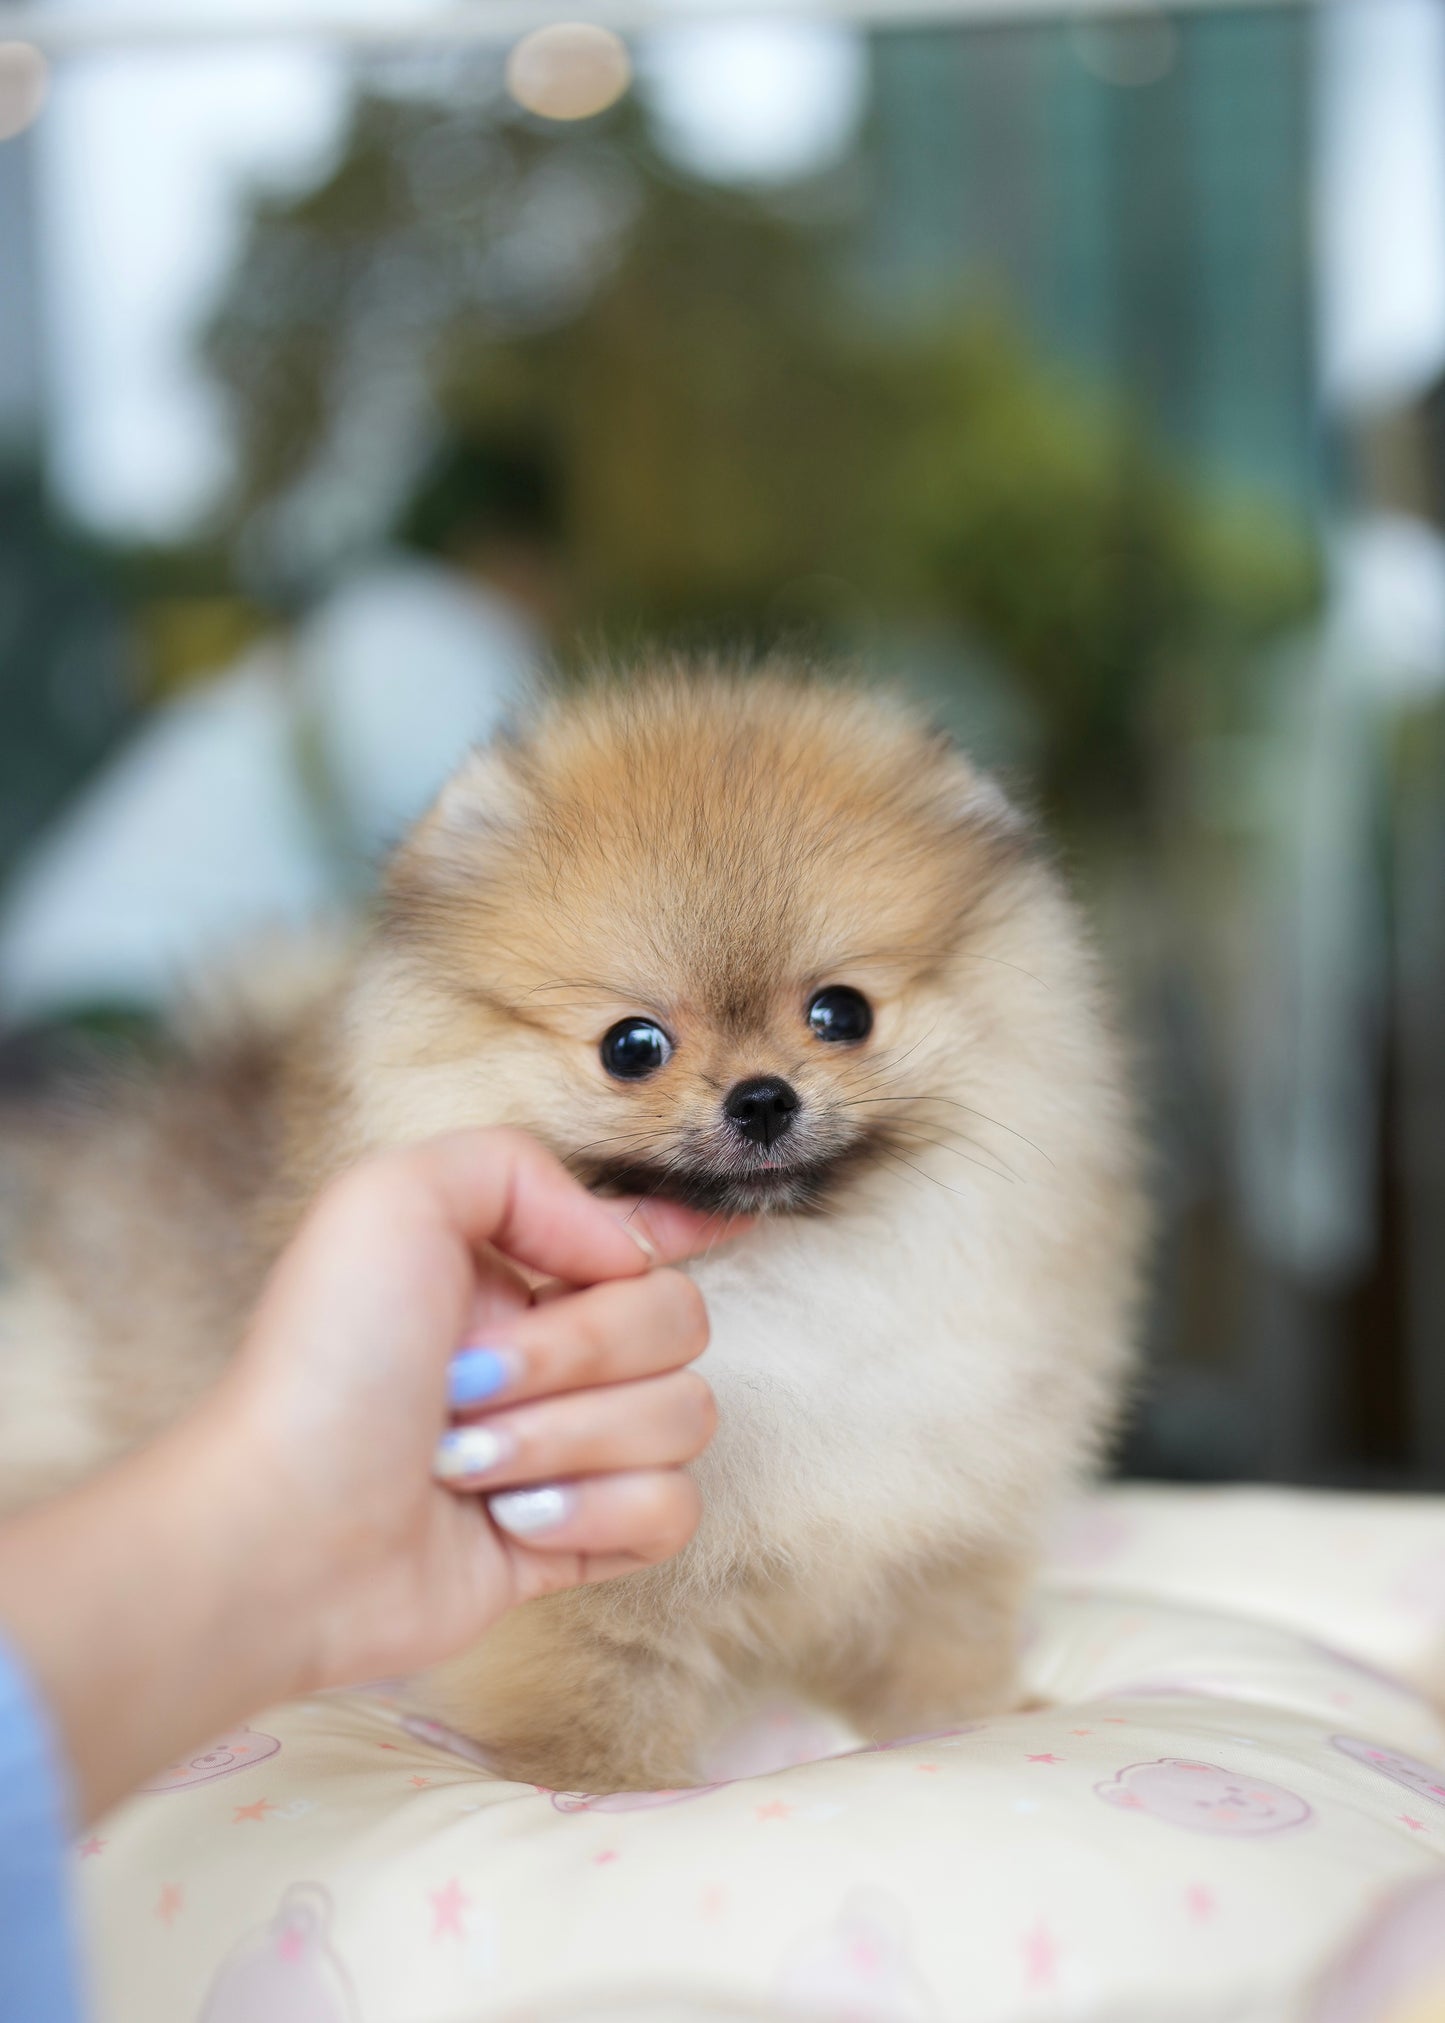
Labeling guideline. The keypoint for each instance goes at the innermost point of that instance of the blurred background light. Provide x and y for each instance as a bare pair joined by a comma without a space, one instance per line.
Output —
756,101
24,82
570,71
1380,202
137,438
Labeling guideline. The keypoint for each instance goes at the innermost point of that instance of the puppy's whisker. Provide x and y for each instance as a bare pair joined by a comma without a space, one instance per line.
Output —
933,1124
671,1167
719,1216
893,1153
897,1159
615,1138
888,1064
1000,1172
964,955
596,988
882,1076
953,1103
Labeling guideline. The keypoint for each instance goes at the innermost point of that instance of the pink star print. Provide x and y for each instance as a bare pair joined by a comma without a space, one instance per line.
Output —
291,1946
170,1903
1041,1957
1415,1825
89,1847
1201,1901
1045,1758
421,1783
448,1903
608,1854
928,1766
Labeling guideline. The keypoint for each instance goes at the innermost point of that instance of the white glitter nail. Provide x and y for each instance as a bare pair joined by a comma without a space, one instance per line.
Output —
529,1511
468,1451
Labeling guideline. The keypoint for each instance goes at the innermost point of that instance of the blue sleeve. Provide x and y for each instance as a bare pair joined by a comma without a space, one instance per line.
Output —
39,1976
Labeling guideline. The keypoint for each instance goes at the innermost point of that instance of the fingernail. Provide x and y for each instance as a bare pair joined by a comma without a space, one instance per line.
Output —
465,1452
478,1374
644,1243
526,1512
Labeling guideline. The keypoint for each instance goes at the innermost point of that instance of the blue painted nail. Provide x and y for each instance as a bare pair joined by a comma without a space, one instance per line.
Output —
476,1375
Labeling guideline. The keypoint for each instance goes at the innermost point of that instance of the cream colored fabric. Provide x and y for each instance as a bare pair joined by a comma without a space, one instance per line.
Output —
1217,1817
1364,1573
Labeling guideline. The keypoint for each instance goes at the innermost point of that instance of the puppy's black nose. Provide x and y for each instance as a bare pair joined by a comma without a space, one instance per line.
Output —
762,1108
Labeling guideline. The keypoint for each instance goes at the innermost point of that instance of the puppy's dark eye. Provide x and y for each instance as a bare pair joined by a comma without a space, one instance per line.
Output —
839,1013
634,1048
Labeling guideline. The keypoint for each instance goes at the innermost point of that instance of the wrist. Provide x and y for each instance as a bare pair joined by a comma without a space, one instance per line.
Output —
148,1607
245,1557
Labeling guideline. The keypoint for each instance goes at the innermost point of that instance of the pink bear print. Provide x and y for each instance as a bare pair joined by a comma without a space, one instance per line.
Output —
286,1972
236,1750
858,1969
1422,1778
626,1801
1204,1798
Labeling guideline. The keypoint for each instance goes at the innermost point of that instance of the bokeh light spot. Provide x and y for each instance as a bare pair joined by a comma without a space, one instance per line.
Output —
569,71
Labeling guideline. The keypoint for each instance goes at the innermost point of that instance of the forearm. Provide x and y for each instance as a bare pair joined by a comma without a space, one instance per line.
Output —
144,1607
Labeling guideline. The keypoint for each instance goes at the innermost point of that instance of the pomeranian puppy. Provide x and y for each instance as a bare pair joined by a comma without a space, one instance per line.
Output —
757,943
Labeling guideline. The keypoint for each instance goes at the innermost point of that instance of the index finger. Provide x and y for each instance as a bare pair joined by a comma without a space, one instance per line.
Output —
501,1188
673,1232
668,1231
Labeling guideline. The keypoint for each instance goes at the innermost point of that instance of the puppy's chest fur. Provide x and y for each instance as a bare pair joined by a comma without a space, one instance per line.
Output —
888,1392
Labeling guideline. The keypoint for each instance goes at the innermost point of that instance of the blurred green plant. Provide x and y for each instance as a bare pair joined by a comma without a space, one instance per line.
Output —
67,676
753,443
1127,598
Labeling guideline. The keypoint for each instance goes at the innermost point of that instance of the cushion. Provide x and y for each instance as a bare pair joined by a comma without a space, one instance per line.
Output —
1231,1805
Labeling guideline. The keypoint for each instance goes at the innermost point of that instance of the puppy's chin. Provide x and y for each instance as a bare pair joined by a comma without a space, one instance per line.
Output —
801,1187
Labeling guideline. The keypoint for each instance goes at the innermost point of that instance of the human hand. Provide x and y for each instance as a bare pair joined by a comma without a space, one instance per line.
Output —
322,1434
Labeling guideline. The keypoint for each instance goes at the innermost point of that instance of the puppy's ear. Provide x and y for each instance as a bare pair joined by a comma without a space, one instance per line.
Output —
983,802
482,810
975,800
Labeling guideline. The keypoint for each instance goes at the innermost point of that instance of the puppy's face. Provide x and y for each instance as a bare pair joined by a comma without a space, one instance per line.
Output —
704,938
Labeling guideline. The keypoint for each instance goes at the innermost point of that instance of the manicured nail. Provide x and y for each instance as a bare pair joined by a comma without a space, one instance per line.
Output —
465,1452
478,1374
529,1512
644,1243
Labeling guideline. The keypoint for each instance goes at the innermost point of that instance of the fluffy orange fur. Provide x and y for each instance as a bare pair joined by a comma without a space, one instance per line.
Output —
915,1352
